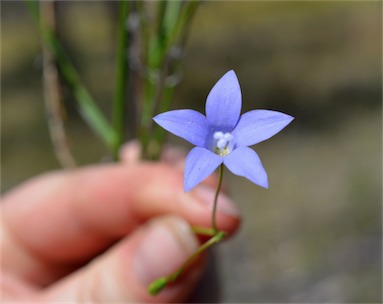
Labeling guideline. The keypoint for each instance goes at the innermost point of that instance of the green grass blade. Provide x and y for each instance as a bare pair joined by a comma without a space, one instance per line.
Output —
87,106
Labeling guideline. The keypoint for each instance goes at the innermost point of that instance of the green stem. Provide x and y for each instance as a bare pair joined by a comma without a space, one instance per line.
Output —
173,23
203,230
119,106
215,239
214,213
156,287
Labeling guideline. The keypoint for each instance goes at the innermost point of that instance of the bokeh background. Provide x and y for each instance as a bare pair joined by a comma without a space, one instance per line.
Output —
316,234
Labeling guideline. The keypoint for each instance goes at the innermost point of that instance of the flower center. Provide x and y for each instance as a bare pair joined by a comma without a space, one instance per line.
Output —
222,145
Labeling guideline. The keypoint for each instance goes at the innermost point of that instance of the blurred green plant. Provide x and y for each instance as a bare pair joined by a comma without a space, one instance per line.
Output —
151,40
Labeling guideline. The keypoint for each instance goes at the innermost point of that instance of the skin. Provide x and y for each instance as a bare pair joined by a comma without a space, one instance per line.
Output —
77,235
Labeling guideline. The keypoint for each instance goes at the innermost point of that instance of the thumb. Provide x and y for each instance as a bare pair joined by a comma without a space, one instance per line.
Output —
124,272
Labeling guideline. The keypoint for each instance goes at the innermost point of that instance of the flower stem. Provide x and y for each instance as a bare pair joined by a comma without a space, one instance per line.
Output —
156,286
214,213
203,230
215,237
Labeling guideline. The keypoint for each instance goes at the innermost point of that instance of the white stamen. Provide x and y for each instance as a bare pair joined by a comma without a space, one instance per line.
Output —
218,135
228,136
222,141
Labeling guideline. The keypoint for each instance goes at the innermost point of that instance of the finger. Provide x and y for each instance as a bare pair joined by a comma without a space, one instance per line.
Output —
125,271
64,219
131,152
13,288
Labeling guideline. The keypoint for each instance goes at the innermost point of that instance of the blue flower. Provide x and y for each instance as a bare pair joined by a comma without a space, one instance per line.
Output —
223,135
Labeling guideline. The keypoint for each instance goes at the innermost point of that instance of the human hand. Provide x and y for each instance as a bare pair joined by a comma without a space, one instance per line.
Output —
103,233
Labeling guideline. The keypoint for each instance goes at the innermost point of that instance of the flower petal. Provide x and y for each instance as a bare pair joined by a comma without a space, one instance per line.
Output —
224,102
200,163
258,125
188,124
243,161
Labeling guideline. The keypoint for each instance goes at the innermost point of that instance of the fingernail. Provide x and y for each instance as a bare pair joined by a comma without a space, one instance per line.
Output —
167,243
205,197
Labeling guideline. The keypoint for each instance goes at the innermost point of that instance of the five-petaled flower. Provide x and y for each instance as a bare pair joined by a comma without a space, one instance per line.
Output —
223,135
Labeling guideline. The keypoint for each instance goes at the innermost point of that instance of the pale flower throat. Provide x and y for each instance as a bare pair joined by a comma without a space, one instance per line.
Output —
222,145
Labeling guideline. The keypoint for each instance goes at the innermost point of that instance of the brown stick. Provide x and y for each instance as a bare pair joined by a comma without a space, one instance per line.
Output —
53,94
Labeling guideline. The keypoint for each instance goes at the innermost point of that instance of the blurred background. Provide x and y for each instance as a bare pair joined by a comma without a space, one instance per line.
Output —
316,234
